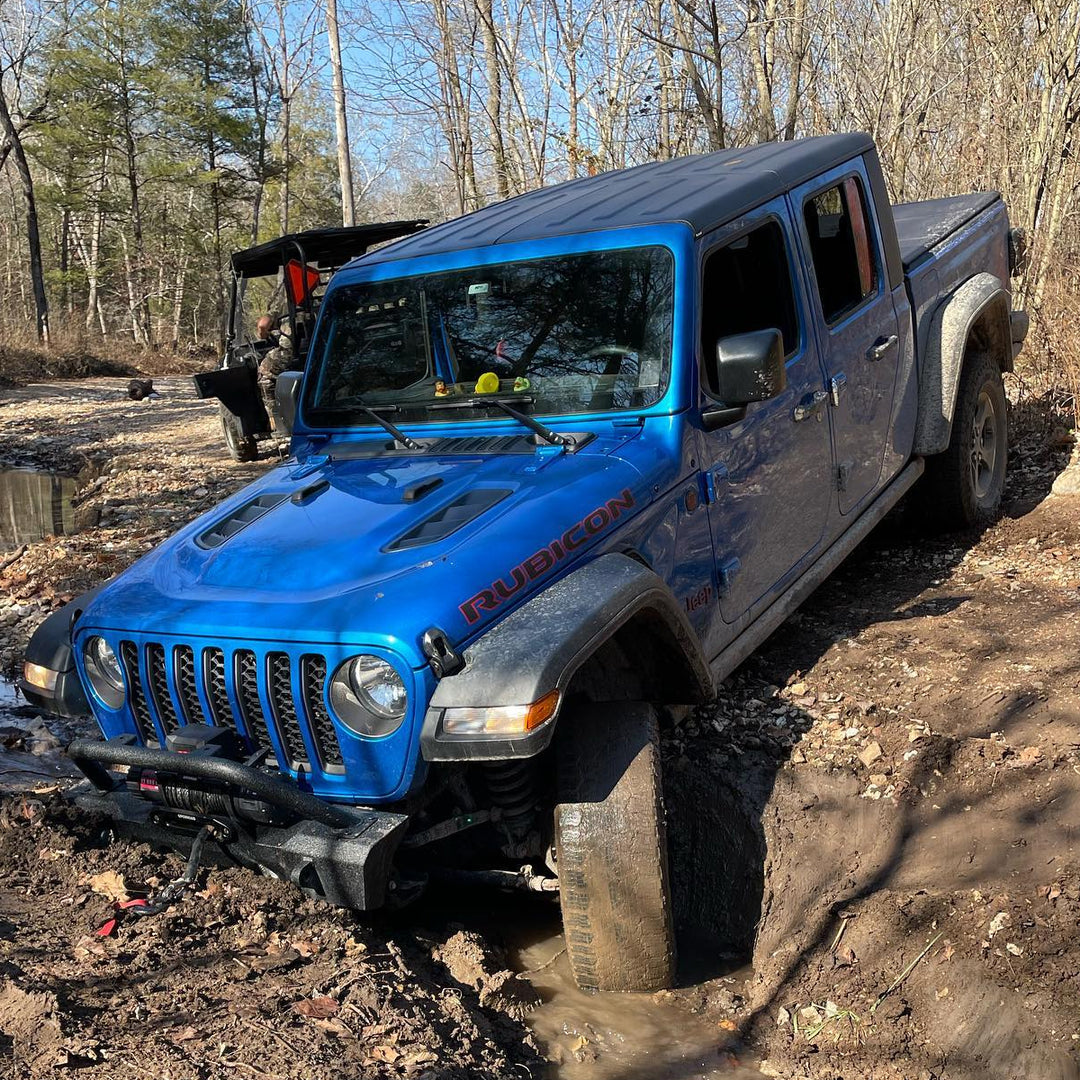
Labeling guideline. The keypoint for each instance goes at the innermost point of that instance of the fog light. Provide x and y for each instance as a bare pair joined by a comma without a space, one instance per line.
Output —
501,719
40,676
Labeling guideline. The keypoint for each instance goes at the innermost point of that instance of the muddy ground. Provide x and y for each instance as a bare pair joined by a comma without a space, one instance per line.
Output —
880,814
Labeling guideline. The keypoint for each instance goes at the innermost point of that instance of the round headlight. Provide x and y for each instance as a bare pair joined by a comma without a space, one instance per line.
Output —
103,670
368,696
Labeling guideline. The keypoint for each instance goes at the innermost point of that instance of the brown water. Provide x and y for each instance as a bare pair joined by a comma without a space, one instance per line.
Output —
34,504
626,1036
590,1036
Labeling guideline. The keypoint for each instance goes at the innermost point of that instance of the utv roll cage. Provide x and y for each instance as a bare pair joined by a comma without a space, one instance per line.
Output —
306,261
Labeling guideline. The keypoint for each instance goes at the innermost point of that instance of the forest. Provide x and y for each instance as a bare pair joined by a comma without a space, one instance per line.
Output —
142,140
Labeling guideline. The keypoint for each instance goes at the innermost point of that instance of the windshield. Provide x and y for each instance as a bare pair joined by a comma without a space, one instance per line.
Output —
558,335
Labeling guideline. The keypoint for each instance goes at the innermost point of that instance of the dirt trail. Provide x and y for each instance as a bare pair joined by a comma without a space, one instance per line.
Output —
881,810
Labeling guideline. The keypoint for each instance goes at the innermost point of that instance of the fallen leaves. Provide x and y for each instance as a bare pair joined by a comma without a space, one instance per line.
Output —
318,1008
109,884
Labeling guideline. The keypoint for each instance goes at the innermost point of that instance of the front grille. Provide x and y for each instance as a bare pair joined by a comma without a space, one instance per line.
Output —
279,684
217,690
247,693
159,688
186,686
313,678
274,720
140,708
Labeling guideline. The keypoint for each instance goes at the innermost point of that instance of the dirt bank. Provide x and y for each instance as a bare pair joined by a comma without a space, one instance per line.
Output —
898,771
21,365
880,811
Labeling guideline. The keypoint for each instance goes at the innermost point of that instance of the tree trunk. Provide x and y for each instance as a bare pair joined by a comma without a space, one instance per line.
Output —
33,236
341,121
494,96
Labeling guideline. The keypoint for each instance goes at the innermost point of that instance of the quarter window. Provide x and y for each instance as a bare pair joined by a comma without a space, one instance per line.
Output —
841,247
747,286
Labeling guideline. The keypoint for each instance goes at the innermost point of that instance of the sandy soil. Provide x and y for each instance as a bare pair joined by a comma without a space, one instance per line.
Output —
880,812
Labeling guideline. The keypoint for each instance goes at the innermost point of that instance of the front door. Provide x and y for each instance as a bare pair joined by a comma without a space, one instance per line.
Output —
856,320
768,475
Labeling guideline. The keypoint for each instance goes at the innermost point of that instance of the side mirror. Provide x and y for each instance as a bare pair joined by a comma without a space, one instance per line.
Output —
748,368
286,395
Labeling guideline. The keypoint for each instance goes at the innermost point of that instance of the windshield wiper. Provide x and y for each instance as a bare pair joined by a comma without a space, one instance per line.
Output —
553,438
391,429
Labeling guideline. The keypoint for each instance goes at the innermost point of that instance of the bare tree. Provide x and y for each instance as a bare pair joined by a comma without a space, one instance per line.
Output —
341,120
22,30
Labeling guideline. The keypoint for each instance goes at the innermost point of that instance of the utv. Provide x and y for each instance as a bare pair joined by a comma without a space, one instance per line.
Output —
303,262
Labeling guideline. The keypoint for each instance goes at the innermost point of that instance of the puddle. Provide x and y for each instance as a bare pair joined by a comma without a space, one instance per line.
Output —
35,504
30,746
592,1036
618,1035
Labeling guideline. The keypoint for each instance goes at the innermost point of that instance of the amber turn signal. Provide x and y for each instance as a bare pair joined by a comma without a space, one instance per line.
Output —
501,719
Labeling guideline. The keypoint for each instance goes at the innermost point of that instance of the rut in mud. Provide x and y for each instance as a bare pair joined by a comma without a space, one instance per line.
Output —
879,812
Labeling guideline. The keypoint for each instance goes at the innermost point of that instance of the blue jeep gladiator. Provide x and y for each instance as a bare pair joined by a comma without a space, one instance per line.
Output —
555,465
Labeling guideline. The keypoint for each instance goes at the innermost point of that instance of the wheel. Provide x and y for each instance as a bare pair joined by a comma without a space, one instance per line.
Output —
241,447
611,849
963,486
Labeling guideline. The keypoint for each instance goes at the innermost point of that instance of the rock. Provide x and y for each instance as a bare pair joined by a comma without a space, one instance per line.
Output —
869,754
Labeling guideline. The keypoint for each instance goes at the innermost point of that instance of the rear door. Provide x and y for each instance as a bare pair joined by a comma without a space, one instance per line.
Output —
768,475
856,322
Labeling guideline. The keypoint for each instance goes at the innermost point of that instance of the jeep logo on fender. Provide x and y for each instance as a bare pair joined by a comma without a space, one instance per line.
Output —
540,562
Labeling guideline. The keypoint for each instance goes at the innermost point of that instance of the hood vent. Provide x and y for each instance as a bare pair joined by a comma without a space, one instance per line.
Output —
483,444
239,519
449,518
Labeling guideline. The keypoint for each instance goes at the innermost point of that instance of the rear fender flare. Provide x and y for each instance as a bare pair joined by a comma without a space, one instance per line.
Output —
541,646
984,300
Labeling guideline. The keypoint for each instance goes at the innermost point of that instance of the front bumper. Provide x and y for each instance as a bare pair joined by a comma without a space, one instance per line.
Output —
343,855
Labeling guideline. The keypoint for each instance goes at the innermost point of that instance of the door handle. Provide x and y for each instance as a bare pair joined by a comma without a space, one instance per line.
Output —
811,405
881,348
837,386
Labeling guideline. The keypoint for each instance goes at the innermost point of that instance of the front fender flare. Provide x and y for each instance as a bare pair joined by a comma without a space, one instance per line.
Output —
539,647
946,344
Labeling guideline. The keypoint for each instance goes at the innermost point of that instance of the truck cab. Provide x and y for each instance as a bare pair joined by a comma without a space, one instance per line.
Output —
555,467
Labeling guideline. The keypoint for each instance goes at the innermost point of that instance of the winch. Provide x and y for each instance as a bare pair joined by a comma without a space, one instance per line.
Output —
185,802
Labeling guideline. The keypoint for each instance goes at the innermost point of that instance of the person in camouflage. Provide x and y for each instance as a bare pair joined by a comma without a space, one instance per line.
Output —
277,360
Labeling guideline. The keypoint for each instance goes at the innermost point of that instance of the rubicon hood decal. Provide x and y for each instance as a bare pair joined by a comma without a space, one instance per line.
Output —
542,560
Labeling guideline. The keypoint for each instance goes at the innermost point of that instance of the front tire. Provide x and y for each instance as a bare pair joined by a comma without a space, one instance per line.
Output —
611,848
963,487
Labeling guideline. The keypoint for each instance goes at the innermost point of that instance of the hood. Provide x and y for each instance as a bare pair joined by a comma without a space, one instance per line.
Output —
377,549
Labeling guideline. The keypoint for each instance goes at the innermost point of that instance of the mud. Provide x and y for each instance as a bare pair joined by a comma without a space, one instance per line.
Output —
879,815
895,775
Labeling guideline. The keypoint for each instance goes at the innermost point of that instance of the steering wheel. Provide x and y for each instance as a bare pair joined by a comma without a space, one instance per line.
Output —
610,350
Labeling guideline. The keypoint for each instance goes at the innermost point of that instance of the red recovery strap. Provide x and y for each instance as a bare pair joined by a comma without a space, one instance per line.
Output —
300,280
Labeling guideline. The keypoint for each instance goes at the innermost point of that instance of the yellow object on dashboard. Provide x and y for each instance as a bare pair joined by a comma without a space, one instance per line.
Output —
488,383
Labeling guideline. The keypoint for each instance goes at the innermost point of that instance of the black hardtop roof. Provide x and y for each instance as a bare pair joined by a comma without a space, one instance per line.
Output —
329,248
702,191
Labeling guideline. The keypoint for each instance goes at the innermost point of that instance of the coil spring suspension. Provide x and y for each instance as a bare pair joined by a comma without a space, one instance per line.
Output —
511,786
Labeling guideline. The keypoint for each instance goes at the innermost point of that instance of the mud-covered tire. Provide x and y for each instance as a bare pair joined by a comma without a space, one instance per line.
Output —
963,487
240,447
611,848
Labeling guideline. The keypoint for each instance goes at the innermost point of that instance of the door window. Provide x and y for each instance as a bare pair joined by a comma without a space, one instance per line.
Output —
841,247
747,286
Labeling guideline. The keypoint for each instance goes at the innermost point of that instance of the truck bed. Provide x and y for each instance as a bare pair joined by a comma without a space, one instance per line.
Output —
921,226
